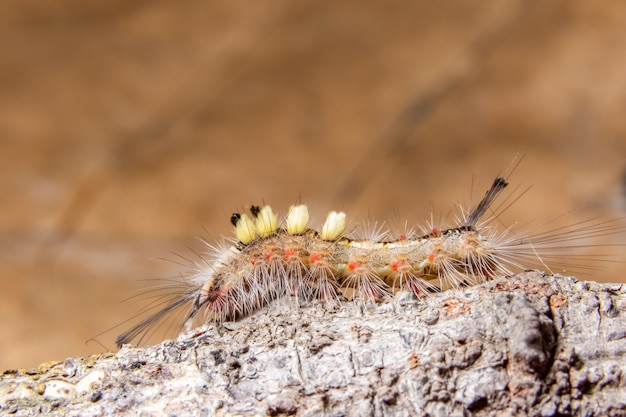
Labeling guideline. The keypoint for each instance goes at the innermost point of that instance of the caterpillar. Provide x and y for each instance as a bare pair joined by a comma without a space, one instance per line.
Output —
269,259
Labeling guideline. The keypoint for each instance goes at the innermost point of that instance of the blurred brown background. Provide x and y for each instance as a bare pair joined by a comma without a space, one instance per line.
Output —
128,128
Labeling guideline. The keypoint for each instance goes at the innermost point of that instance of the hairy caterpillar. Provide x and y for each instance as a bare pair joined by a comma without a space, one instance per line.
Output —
269,260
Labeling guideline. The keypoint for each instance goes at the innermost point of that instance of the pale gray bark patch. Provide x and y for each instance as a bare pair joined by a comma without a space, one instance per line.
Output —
532,344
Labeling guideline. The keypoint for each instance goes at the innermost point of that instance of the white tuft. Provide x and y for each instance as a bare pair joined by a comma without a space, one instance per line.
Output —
245,230
335,225
266,222
297,219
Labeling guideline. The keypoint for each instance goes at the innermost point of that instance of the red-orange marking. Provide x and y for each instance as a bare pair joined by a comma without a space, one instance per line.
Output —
352,265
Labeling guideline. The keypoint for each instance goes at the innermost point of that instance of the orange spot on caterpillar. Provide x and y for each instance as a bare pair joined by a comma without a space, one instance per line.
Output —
353,265
315,257
432,257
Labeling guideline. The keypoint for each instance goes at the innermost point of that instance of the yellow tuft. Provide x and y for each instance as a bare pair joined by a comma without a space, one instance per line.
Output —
266,222
335,225
245,230
297,219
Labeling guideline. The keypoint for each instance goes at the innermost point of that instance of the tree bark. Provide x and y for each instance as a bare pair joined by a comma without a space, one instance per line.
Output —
531,344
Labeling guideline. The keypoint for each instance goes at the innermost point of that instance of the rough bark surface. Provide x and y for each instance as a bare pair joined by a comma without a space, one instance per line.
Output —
532,344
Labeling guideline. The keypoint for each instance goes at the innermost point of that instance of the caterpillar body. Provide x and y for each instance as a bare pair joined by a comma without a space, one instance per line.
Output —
269,260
